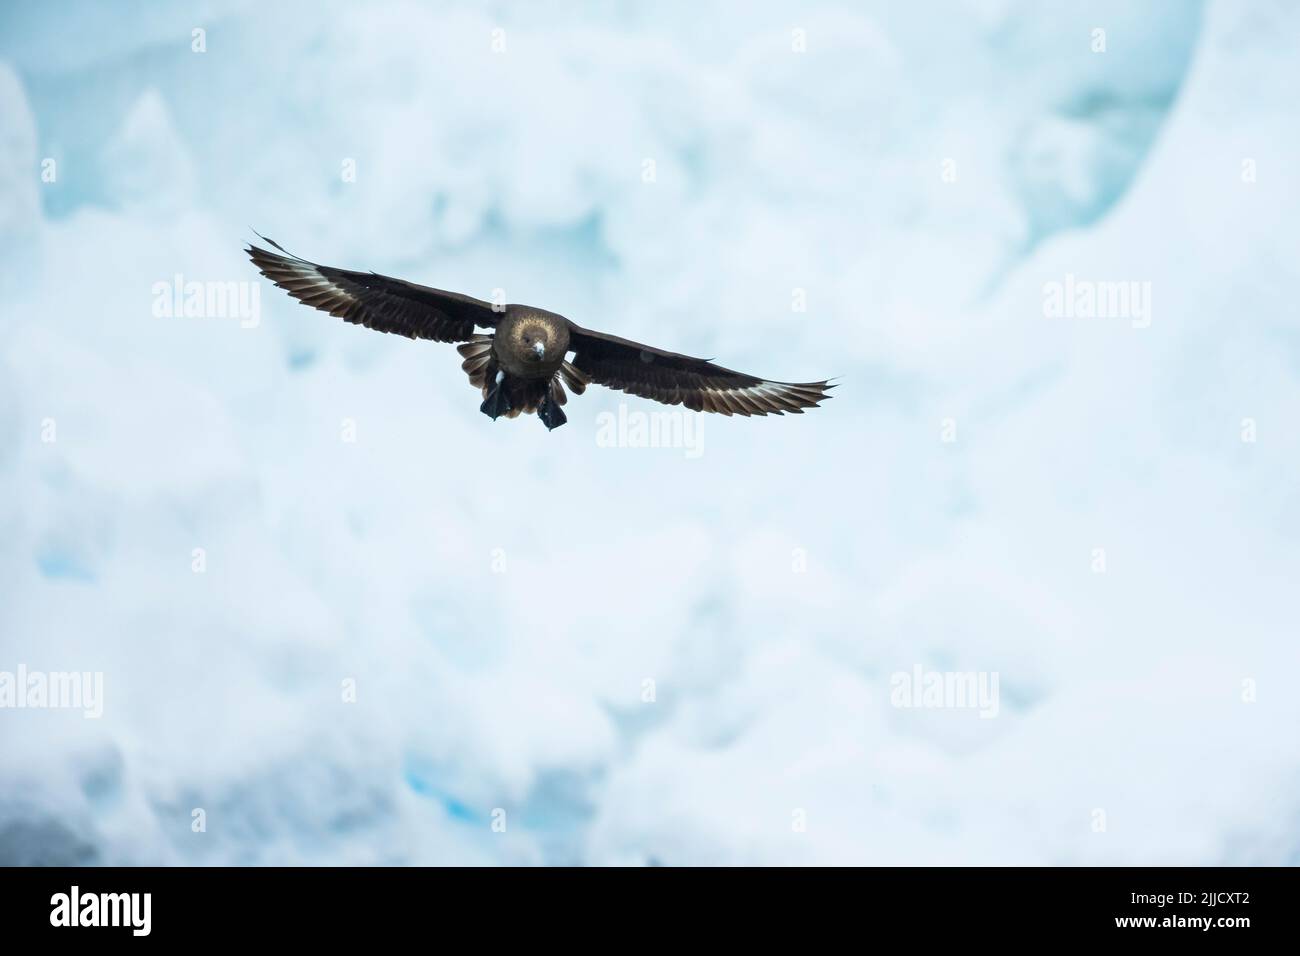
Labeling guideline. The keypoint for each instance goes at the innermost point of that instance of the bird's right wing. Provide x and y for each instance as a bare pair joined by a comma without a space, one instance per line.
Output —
676,379
377,302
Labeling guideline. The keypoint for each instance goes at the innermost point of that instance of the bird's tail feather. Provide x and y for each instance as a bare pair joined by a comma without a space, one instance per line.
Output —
478,364
573,377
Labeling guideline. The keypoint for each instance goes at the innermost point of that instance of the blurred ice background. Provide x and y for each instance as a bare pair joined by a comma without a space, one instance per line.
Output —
501,596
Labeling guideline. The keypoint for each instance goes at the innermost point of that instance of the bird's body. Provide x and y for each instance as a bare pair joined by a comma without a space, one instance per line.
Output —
521,367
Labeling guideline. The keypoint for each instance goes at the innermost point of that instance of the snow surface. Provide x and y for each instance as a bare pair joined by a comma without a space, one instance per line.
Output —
499,596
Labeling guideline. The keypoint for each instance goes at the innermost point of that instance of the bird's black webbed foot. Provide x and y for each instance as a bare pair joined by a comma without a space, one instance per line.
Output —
551,414
497,402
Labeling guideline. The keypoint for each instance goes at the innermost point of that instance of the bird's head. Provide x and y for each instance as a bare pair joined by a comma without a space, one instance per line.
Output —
536,342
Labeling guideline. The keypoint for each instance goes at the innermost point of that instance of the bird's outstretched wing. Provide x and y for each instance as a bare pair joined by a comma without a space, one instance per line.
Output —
375,301
676,379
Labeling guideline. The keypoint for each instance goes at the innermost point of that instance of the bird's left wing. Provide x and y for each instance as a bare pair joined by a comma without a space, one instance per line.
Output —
676,379
377,302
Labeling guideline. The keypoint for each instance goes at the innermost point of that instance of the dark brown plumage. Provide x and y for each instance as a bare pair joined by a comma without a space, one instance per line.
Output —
521,366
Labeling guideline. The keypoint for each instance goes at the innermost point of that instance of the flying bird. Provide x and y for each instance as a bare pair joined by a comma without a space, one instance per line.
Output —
521,364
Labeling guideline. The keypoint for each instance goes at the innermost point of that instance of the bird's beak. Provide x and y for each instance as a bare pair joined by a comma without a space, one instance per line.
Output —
540,349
